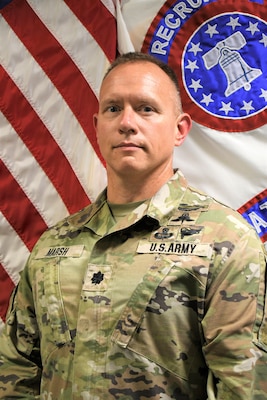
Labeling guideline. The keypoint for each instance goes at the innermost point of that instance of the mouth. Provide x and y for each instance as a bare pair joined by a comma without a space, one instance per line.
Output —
127,145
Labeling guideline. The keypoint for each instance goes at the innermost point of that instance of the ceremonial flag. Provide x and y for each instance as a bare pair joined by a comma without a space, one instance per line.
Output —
218,49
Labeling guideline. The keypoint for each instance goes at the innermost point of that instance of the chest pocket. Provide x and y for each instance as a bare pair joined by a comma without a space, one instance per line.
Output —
53,314
162,320
55,268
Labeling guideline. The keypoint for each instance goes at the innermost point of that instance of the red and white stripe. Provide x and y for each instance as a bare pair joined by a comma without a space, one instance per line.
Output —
53,56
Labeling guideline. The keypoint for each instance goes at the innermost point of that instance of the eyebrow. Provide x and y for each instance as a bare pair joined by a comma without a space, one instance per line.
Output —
117,98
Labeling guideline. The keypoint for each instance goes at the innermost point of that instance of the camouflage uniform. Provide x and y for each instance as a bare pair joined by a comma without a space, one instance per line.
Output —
167,303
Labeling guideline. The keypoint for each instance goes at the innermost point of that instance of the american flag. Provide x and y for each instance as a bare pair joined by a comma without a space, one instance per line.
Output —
53,56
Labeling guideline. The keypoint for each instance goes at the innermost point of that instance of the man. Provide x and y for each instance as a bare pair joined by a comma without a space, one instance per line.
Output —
155,291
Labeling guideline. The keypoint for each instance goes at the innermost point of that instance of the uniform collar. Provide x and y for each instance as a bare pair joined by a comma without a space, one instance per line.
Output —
154,210
96,215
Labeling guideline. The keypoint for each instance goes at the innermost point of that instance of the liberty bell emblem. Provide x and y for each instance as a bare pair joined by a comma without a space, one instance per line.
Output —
238,73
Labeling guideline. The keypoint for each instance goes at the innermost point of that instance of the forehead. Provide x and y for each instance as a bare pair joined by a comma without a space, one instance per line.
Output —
138,75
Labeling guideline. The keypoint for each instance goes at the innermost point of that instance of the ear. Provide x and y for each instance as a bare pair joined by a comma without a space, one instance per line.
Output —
184,123
95,117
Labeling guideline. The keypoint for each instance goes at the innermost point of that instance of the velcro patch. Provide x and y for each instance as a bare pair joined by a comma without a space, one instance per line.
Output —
60,251
182,248
97,278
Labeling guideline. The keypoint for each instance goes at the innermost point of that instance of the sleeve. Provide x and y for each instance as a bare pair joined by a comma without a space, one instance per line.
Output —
234,325
20,365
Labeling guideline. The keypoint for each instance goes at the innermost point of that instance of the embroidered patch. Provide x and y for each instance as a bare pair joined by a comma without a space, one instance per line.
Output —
97,277
60,251
164,233
184,217
190,232
182,248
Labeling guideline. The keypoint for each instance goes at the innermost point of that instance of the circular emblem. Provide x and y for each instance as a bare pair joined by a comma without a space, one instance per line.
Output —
219,53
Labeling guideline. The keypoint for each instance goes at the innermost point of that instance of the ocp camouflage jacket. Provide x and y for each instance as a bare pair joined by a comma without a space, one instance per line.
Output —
167,303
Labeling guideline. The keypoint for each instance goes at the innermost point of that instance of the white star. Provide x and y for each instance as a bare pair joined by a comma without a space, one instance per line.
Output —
264,40
233,23
195,48
207,99
253,28
211,30
226,107
195,85
247,106
192,65
264,94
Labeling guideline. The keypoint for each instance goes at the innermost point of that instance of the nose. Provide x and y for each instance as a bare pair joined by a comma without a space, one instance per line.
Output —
127,121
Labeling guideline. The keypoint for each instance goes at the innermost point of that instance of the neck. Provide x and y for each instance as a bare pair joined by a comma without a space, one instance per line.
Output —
129,189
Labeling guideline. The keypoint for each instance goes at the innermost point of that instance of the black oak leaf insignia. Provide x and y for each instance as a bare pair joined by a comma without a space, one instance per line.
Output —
97,278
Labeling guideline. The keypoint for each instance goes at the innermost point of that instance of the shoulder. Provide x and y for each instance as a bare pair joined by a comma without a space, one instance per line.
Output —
64,231
220,217
72,224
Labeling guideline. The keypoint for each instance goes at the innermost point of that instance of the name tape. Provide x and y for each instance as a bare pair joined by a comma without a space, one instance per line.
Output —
60,251
183,248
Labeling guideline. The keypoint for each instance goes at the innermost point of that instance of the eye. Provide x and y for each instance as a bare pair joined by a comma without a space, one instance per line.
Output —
113,108
146,108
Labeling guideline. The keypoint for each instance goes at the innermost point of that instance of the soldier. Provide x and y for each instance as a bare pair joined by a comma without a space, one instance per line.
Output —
155,291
